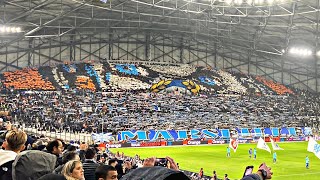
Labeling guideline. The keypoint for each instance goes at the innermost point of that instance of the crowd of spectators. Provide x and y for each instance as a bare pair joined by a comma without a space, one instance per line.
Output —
84,111
20,159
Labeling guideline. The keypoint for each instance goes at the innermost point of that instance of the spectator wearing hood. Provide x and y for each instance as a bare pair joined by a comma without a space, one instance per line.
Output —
14,143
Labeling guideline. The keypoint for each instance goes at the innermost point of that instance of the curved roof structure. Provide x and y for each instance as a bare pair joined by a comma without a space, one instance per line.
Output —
256,33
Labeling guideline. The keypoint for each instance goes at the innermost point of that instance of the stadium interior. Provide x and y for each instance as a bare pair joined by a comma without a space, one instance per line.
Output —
95,75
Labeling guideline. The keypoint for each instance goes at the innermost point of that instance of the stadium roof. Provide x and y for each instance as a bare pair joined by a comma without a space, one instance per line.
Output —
265,28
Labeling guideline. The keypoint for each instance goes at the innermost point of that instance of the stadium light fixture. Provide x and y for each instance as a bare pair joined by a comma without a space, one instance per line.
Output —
8,29
228,1
270,1
300,51
318,54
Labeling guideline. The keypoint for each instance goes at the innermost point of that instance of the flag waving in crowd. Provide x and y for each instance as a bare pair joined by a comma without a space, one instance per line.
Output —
314,147
233,144
275,146
263,145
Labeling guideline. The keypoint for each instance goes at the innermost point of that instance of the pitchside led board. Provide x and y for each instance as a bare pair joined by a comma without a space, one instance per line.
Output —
176,135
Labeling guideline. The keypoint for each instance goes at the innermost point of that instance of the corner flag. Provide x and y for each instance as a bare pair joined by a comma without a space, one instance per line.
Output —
233,144
275,146
263,145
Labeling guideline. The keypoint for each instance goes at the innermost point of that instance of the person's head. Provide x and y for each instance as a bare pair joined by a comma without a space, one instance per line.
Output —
90,153
73,169
113,162
15,141
70,155
264,167
225,175
55,147
71,148
105,172
214,172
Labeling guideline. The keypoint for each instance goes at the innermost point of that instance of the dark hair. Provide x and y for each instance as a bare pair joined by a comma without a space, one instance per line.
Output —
111,161
51,144
71,148
70,155
103,170
90,153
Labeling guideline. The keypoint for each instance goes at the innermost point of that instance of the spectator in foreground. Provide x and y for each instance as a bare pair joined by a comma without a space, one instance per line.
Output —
113,162
73,170
106,172
13,145
214,177
90,165
263,173
149,171
56,147
200,173
68,156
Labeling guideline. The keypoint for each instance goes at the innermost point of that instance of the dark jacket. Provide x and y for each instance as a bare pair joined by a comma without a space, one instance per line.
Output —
155,173
6,171
252,177
89,168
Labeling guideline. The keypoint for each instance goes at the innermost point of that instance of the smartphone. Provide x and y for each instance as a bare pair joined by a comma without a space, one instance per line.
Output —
248,171
98,157
161,162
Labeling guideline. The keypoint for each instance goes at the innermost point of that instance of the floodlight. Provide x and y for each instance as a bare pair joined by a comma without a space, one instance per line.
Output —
318,54
18,29
249,2
228,1
13,29
8,29
238,2
270,1
2,29
300,51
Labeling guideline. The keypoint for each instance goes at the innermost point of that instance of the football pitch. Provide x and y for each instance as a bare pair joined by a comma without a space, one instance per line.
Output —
290,162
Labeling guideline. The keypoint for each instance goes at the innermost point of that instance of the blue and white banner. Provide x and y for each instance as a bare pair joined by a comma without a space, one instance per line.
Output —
314,147
153,135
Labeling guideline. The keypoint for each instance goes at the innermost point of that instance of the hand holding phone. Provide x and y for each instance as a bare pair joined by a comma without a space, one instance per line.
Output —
248,171
161,162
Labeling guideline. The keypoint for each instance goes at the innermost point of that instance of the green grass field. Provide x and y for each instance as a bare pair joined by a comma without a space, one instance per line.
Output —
290,165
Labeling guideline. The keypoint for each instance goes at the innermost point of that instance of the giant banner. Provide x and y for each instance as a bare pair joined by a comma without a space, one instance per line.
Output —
153,135
178,135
